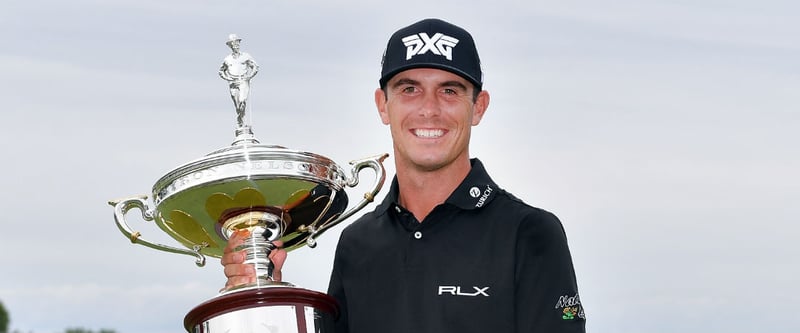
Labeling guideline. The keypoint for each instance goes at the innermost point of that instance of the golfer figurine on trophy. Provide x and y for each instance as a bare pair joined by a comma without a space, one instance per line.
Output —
238,68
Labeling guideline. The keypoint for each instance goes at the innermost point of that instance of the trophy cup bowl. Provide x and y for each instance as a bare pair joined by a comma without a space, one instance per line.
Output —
274,193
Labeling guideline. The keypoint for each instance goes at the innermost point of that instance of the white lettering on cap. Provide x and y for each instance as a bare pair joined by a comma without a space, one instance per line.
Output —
421,43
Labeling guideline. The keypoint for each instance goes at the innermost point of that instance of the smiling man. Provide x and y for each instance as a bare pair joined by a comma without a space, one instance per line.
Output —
447,250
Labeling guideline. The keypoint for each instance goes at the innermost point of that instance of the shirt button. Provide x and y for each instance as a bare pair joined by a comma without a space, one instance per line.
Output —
418,235
397,208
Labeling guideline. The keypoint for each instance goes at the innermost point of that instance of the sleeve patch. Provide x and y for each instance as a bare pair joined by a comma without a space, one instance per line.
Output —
570,308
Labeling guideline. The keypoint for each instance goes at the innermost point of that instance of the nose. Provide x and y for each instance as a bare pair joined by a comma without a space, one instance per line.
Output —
430,105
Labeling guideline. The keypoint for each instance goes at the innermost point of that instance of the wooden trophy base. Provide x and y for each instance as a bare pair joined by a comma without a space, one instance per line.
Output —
264,309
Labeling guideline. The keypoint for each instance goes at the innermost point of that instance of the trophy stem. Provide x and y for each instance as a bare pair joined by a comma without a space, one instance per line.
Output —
257,249
264,226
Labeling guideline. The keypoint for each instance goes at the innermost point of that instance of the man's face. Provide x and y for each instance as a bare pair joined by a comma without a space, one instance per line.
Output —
430,113
234,45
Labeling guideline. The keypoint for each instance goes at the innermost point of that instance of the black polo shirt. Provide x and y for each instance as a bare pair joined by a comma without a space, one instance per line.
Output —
483,261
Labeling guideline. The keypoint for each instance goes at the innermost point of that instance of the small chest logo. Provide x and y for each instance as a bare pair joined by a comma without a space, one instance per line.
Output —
475,192
456,291
439,44
485,196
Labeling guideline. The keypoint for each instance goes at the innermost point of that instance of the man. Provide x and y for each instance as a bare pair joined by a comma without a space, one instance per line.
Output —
447,250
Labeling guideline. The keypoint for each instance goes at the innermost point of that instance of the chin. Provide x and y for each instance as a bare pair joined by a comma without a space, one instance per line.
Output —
430,164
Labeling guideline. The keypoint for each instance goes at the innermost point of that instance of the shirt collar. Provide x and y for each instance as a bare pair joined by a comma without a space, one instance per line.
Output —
475,191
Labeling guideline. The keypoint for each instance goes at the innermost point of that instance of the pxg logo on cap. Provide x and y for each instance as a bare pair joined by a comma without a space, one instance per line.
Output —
439,44
432,43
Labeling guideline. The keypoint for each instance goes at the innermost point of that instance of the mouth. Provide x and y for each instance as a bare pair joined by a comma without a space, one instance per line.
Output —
428,133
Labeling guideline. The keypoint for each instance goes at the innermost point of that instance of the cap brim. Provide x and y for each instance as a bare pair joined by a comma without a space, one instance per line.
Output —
388,76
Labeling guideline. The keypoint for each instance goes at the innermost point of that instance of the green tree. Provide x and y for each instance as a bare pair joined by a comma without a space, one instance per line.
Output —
77,330
3,319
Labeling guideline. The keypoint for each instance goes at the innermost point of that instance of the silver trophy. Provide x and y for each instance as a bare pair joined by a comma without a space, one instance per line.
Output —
274,193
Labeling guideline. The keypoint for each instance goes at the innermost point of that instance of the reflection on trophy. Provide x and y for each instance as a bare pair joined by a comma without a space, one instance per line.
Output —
274,193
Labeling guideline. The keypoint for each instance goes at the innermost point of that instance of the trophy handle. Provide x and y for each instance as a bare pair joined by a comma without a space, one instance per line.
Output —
374,163
124,205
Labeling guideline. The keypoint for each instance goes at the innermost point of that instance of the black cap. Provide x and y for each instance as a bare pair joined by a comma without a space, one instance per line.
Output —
432,43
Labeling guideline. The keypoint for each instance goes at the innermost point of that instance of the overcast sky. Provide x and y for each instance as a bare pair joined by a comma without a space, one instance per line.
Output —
664,134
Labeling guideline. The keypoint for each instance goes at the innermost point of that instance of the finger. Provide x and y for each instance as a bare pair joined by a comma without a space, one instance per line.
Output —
237,238
240,270
233,257
278,257
239,280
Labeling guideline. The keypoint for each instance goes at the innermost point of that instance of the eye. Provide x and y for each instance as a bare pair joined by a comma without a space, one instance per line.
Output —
409,89
449,91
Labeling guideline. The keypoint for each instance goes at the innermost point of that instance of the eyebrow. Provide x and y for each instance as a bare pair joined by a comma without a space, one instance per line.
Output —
452,83
404,81
455,84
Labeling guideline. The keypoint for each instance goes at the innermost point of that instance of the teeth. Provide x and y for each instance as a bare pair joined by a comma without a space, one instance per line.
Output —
428,133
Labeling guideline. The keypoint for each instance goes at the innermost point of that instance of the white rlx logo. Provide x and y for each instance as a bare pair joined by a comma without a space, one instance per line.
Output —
439,44
456,291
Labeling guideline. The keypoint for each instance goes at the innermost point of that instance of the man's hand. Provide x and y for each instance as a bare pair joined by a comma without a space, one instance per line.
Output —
239,273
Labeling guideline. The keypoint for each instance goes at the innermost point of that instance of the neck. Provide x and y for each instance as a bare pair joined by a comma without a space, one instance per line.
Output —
422,190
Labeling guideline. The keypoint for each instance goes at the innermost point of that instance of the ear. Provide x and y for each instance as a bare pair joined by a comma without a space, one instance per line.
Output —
380,103
480,106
